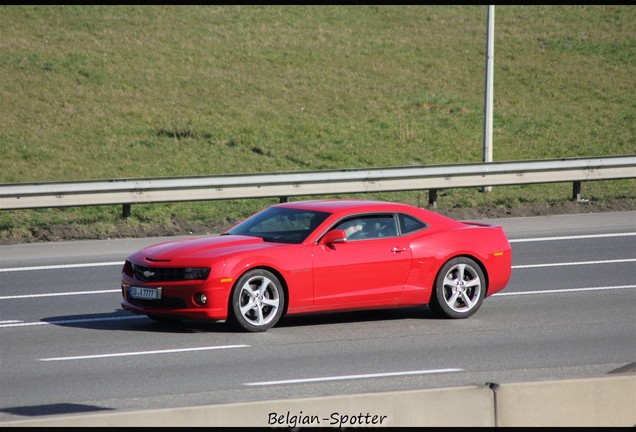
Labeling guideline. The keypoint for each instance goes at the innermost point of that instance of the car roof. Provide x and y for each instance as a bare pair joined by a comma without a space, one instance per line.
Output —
335,205
339,206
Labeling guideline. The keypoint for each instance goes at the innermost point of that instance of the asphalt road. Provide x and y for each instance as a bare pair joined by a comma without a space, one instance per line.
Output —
66,346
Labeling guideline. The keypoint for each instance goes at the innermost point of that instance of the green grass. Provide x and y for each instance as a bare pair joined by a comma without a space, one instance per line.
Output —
101,92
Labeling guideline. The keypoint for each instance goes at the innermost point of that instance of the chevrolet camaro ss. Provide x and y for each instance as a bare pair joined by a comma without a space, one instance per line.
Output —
317,256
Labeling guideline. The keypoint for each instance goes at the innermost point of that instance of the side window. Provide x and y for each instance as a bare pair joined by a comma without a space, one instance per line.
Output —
408,224
369,226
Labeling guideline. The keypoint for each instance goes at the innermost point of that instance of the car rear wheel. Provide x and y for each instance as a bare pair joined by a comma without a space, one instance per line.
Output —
258,300
459,288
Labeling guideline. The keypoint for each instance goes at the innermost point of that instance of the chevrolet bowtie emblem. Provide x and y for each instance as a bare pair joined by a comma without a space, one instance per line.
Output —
148,273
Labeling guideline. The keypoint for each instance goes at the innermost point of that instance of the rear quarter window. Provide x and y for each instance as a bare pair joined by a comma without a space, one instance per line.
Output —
409,224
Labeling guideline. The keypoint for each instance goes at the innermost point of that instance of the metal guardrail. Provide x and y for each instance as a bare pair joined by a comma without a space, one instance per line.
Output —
283,185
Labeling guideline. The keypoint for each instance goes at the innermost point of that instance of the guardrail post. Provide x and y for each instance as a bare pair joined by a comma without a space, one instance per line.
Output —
432,198
125,213
576,191
282,199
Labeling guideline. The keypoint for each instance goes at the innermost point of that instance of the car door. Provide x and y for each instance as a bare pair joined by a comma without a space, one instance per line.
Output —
368,269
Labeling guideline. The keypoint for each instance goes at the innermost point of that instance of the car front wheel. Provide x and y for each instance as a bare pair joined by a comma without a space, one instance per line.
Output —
459,288
258,300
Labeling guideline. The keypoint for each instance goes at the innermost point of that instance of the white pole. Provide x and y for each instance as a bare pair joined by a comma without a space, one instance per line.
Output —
490,54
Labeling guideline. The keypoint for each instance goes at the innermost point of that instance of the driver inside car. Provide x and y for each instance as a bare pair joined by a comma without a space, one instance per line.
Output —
352,227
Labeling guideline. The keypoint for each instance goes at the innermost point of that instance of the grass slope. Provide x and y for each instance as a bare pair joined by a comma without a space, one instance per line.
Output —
99,92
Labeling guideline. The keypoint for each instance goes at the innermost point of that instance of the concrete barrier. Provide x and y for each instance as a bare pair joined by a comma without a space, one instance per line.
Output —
602,401
606,401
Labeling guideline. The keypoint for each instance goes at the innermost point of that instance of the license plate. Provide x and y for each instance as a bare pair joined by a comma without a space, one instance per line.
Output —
145,293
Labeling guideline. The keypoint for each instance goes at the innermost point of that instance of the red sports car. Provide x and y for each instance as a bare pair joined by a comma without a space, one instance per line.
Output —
322,255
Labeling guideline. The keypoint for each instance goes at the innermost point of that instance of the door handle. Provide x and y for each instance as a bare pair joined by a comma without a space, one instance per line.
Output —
398,250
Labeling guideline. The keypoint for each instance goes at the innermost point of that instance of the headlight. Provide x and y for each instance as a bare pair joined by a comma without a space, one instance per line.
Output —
196,273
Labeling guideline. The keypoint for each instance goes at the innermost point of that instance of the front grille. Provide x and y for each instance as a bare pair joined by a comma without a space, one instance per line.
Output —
157,274
167,274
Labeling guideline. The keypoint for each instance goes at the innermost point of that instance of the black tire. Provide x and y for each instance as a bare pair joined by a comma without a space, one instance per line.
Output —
459,288
257,301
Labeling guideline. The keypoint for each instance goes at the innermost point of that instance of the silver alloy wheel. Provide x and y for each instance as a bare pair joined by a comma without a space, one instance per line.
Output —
259,300
462,288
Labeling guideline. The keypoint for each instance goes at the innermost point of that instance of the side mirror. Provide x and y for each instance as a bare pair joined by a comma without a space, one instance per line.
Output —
334,236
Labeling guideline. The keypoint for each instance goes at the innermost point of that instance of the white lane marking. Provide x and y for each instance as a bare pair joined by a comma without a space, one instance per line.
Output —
574,237
58,294
574,263
61,266
565,290
348,377
125,354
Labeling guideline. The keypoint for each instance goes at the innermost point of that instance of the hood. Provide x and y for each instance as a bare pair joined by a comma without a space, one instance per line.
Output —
198,247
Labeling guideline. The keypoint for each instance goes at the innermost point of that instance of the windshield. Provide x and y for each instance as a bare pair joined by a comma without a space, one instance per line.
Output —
279,224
